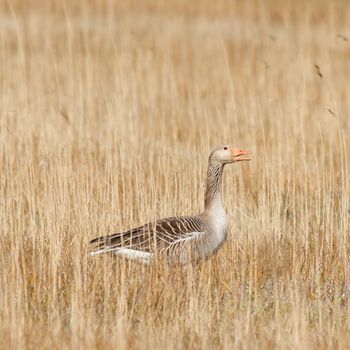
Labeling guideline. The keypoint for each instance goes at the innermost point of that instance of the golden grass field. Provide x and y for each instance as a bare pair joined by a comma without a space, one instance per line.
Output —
108,112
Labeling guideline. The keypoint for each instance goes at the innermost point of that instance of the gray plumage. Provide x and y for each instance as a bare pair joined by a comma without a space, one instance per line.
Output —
181,239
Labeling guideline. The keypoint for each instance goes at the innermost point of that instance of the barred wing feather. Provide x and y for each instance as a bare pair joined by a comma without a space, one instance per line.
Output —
163,235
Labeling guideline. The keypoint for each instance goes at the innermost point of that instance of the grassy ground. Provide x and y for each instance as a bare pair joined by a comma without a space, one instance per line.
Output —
107,115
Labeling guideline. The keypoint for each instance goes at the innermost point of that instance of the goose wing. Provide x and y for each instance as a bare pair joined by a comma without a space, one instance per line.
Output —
166,234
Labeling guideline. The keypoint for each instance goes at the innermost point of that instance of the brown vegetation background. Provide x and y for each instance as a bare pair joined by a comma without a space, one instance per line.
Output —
108,111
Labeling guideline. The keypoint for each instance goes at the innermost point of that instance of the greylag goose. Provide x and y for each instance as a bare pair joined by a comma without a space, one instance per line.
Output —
181,239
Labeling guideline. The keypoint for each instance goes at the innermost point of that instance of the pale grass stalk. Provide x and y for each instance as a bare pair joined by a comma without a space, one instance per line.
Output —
107,113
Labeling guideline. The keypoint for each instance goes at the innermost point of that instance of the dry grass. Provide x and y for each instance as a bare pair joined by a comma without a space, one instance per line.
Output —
107,114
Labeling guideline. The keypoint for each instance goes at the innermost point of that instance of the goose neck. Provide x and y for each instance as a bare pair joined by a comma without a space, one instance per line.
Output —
213,195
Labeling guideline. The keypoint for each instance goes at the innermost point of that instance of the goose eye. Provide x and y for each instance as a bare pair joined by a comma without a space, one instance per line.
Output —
225,148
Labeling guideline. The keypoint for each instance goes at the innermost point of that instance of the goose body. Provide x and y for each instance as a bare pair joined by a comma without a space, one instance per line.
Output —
181,239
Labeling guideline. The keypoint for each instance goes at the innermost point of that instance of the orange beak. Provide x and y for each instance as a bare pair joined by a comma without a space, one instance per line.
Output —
238,153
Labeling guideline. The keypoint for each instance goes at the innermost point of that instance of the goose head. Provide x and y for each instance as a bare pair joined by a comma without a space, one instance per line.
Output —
227,154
